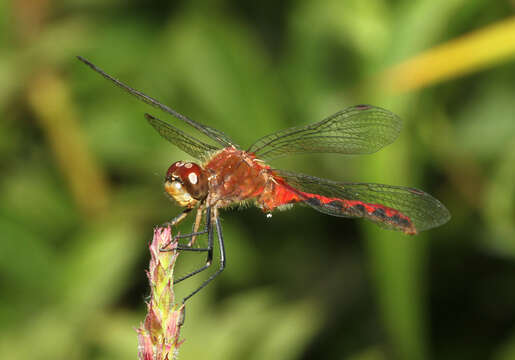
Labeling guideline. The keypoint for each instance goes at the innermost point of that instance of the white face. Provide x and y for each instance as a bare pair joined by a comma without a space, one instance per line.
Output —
186,183
179,193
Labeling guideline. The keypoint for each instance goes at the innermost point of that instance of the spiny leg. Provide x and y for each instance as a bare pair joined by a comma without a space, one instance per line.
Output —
190,235
178,218
193,235
209,249
174,222
222,255
196,224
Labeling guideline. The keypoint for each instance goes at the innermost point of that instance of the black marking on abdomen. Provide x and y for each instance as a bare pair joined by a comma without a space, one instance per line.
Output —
360,208
336,203
379,213
314,201
397,219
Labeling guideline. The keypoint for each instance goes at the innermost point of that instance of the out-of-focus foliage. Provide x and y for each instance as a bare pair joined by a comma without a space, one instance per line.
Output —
81,183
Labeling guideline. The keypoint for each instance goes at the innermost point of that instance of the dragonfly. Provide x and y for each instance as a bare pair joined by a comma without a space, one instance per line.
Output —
229,175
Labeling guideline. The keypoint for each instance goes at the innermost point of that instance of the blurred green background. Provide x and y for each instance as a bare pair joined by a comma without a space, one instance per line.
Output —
81,176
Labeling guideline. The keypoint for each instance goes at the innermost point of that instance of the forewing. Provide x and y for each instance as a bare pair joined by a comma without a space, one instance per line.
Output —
423,210
216,135
361,129
186,143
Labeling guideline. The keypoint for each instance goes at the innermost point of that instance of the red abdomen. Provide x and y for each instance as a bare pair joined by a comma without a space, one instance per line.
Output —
236,176
282,194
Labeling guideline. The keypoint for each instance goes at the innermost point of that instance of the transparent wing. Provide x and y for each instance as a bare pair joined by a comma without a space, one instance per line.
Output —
186,143
361,129
216,135
372,201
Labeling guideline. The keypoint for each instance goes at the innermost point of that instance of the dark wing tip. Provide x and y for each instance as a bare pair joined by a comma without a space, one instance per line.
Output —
94,67
156,123
85,61
363,107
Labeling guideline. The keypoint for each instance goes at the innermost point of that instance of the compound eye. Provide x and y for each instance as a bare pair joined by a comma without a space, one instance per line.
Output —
190,176
174,170
194,179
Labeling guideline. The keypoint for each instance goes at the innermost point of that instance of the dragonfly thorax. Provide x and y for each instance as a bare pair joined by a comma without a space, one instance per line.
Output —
186,183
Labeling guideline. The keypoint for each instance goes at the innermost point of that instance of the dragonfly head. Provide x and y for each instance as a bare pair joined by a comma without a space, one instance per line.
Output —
186,183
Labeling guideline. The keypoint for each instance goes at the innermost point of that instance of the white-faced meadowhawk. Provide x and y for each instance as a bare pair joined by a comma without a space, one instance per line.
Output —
229,175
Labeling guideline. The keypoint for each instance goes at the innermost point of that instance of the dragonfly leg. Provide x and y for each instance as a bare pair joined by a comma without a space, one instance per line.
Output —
193,235
209,249
208,263
178,218
196,224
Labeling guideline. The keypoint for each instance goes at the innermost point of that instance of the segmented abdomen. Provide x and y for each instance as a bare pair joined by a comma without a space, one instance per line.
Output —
282,194
378,213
